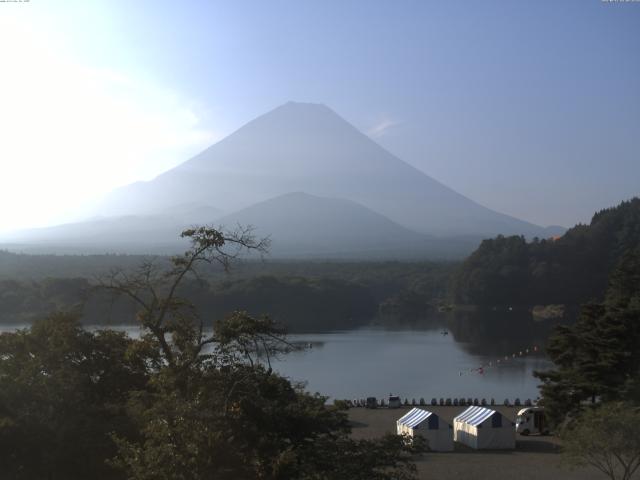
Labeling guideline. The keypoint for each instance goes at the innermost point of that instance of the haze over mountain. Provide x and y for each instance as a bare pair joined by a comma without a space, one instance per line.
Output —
303,225
157,234
302,147
353,195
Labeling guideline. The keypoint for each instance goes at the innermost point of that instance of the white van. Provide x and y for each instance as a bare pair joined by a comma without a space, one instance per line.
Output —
531,420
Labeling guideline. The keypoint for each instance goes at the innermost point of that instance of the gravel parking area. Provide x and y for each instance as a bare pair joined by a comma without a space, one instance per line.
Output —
535,457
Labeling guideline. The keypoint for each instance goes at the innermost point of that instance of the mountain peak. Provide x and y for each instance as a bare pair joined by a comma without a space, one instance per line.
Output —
305,138
307,147
303,105
302,114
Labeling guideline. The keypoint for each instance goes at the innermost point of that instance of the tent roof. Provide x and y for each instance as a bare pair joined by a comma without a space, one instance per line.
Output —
414,417
475,415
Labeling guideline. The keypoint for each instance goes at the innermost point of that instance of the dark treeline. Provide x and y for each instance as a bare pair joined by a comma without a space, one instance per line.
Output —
299,303
329,295
572,269
302,296
598,358
22,266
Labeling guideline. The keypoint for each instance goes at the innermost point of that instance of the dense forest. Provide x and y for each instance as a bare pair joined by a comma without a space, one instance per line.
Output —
303,296
23,266
598,358
571,269
329,295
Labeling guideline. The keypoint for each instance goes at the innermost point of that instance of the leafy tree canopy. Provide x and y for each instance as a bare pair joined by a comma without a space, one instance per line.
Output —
605,438
571,269
598,358
177,403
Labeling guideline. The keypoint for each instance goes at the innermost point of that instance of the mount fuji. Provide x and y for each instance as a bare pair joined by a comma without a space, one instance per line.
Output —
283,168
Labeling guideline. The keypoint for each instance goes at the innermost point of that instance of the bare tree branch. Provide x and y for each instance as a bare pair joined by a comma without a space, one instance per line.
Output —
172,320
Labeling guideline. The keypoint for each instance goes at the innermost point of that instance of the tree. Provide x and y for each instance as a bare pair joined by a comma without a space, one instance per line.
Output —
246,423
170,320
63,393
180,402
214,407
605,437
571,269
598,358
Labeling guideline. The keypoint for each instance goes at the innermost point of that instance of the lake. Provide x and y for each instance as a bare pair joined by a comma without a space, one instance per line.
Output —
419,360
409,363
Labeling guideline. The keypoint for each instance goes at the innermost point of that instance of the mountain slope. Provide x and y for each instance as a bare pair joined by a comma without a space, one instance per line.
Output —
299,225
309,148
302,225
121,234
137,233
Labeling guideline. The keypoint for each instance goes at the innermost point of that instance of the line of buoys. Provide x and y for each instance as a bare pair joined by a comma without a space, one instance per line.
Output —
372,402
500,361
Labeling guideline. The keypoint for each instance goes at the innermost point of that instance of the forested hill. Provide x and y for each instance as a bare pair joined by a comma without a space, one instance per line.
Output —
571,269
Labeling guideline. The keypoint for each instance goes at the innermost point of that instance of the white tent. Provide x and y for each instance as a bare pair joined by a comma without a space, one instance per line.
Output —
437,432
483,428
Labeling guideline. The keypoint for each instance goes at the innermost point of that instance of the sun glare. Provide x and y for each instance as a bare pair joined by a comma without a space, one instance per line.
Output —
71,132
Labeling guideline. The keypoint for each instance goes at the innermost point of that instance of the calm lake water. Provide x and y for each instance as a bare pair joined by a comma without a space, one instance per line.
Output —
421,361
412,364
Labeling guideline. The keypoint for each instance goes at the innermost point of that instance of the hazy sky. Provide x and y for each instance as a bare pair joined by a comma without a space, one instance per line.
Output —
528,107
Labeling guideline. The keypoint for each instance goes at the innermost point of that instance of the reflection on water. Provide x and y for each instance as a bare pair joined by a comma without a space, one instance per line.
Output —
498,333
420,360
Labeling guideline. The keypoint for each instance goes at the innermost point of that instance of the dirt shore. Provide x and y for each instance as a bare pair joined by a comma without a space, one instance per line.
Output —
535,457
